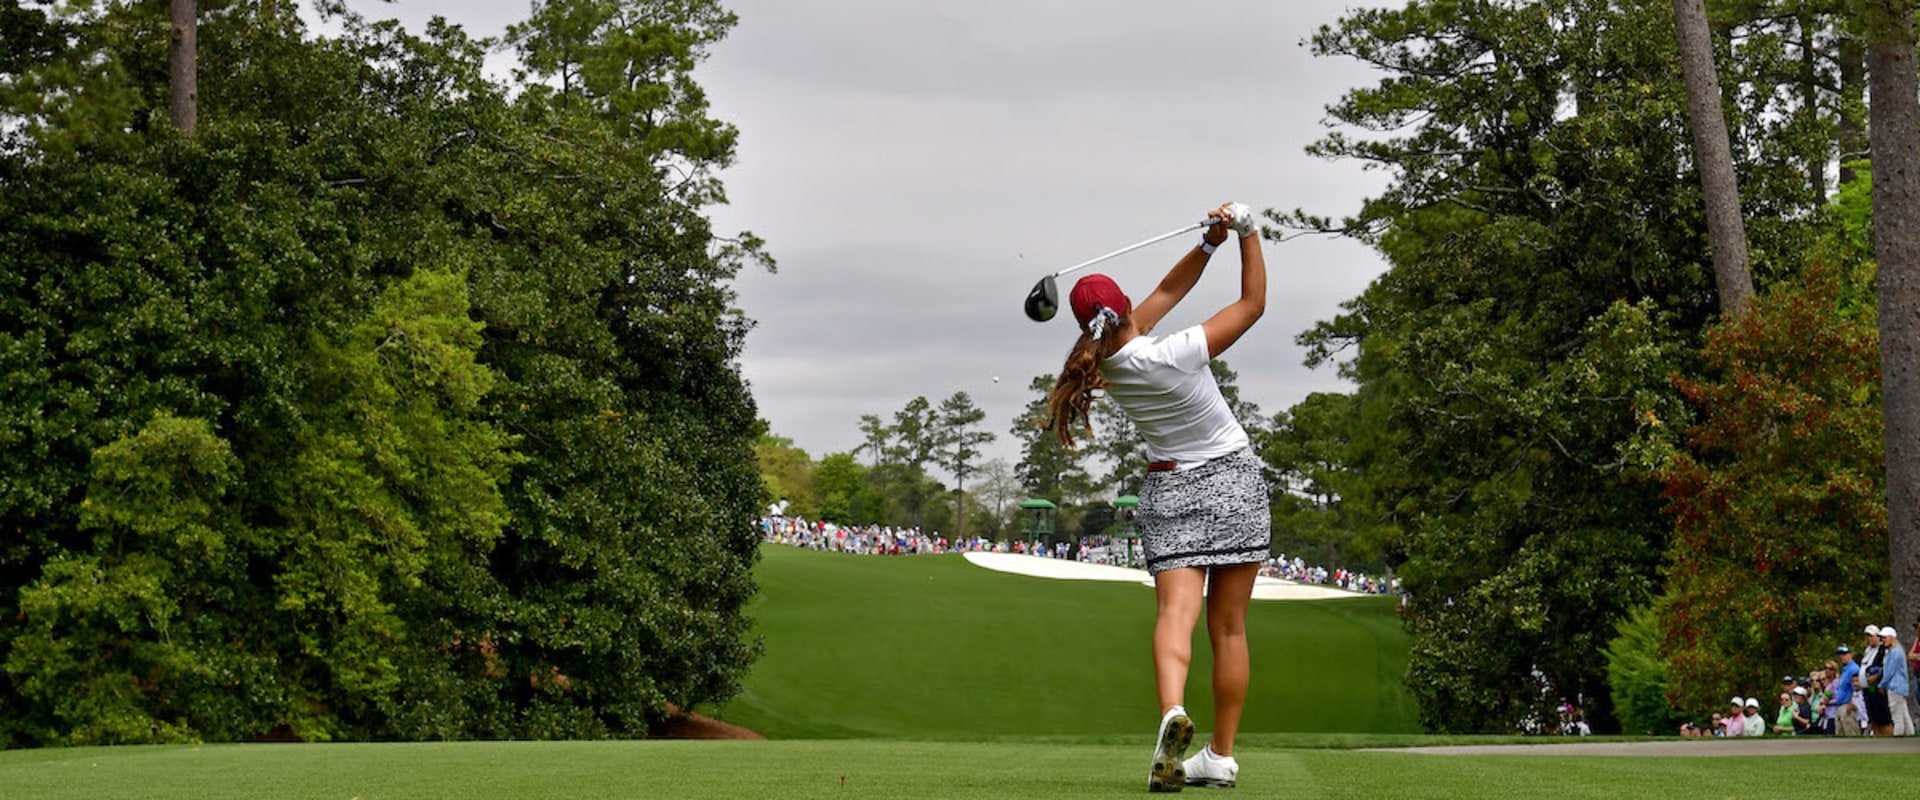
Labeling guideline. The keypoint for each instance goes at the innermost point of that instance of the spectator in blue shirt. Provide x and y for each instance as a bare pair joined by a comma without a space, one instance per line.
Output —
1846,717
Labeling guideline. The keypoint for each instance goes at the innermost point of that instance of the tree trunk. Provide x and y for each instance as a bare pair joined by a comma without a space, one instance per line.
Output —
1893,125
184,84
1713,156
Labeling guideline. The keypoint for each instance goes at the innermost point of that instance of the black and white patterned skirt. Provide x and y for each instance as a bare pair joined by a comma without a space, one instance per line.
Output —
1212,515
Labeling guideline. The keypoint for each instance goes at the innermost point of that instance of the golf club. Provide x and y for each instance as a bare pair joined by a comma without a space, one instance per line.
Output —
1044,301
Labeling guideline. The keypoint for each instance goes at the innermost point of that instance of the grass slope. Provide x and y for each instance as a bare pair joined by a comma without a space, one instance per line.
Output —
934,647
892,769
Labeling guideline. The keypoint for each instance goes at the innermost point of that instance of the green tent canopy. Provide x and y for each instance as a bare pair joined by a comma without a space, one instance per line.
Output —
1125,527
1036,517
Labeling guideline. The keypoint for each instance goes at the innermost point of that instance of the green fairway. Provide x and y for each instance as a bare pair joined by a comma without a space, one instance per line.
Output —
934,647
884,769
958,682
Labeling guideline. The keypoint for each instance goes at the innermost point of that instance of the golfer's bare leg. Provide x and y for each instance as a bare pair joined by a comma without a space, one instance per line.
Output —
1179,592
1227,601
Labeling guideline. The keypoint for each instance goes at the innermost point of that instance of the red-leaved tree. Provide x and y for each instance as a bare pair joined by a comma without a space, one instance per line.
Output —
1780,523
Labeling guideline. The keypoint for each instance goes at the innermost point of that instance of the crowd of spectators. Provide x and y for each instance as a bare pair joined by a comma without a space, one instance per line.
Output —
890,541
1868,693
1123,552
1297,570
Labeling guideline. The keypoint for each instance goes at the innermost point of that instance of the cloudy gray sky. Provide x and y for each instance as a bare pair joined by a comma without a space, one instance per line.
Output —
916,166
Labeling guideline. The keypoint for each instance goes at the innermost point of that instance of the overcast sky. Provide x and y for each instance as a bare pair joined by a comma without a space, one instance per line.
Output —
916,166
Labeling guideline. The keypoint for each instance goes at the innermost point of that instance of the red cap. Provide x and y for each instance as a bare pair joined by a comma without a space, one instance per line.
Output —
1095,292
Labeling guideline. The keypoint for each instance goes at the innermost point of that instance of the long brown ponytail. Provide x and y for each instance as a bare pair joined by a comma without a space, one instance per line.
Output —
1070,404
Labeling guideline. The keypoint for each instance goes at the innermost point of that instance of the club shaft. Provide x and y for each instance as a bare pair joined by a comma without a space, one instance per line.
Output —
1132,247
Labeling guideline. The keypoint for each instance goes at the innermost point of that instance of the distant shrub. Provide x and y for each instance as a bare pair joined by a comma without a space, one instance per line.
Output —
1637,677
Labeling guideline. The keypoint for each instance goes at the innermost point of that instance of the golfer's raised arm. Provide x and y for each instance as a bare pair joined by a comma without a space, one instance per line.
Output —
1225,326
1185,273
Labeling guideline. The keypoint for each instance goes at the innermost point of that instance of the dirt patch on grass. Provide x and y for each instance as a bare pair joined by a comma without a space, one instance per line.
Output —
688,725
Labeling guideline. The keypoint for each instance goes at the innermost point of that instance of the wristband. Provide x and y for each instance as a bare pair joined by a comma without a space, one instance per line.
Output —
1206,246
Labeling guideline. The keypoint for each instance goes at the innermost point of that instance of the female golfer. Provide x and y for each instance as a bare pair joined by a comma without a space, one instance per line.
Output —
1203,514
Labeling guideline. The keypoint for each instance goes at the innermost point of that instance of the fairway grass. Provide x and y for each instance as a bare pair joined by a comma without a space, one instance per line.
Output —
894,769
934,647
927,677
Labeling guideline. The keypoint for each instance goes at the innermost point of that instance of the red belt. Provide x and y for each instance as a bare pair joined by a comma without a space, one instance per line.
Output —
1162,466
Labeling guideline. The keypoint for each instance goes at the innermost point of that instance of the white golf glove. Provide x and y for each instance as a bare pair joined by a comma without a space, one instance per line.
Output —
1243,220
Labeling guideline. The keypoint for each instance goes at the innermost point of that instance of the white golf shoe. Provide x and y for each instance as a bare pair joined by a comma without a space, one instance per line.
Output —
1169,745
1207,769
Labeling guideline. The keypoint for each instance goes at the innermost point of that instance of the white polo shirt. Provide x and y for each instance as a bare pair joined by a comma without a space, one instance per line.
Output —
1165,387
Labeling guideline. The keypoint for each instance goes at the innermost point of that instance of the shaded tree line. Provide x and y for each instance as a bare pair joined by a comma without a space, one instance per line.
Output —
896,487
365,396
1571,430
897,484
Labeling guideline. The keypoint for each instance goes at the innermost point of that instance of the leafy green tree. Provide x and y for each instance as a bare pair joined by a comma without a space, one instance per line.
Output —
998,493
131,603
607,303
384,498
846,495
959,442
368,265
28,36
1323,504
1119,445
914,436
630,65
1545,240
1637,676
874,435
915,442
1308,447
389,502
1096,519
787,474
1047,469
1796,79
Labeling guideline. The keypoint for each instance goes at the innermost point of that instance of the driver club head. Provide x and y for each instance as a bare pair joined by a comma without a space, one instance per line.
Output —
1044,301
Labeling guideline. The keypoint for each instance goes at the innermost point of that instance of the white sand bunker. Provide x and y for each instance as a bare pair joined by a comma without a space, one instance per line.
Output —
1264,588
